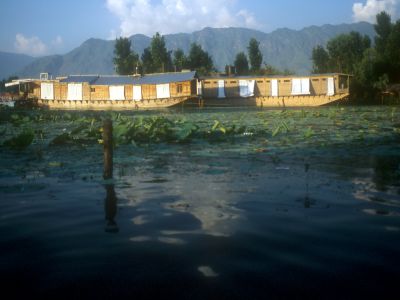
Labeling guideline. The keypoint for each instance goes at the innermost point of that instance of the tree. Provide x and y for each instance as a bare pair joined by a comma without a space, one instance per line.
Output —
393,53
346,51
320,60
255,55
200,60
147,61
180,60
125,60
160,56
383,28
241,64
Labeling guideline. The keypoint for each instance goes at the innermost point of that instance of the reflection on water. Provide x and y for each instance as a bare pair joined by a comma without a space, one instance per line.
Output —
203,221
110,208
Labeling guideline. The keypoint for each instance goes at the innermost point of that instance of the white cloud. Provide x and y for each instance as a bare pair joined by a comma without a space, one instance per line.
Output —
29,45
57,42
35,46
369,10
172,16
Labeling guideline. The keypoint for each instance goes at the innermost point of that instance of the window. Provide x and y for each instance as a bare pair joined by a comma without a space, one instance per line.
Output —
233,81
260,81
315,79
92,89
286,81
179,88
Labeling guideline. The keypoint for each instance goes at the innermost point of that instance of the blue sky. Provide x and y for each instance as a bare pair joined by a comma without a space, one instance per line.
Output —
43,27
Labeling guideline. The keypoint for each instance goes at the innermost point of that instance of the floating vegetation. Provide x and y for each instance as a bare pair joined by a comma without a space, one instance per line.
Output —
288,128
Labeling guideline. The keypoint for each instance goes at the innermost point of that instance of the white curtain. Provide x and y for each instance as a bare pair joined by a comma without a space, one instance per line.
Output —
305,86
199,88
137,92
117,92
296,86
74,91
274,88
331,87
162,90
46,91
221,89
246,88
300,86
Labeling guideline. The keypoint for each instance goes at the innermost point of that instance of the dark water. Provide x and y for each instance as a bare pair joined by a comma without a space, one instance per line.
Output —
259,218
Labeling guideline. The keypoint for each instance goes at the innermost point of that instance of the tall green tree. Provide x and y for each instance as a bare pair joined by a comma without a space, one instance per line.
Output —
383,29
147,61
161,57
346,51
320,58
200,60
393,52
241,64
255,55
125,59
180,61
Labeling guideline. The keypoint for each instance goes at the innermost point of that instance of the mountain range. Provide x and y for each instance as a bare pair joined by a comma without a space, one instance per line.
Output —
282,48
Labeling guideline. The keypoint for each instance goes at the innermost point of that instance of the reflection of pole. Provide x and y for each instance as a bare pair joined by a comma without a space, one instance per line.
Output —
110,208
307,202
110,203
108,149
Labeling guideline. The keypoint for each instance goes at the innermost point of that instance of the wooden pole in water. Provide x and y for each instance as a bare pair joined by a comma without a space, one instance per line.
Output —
108,149
110,204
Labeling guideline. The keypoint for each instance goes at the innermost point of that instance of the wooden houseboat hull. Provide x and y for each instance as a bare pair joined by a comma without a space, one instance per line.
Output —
111,104
284,101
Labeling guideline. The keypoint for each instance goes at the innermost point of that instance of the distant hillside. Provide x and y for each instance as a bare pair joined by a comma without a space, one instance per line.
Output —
282,48
11,63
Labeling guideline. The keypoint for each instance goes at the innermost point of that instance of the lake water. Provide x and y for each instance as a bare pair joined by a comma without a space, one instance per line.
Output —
297,204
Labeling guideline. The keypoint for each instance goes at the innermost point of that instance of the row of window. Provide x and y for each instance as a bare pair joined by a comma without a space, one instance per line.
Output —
260,81
179,89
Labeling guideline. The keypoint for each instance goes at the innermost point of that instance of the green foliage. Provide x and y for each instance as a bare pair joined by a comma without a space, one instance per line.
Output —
383,29
320,58
147,61
125,60
374,69
241,64
255,55
267,128
200,60
160,56
180,60
346,51
21,141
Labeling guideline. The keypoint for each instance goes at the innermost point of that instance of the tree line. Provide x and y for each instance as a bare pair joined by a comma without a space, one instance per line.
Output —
252,63
374,66
156,58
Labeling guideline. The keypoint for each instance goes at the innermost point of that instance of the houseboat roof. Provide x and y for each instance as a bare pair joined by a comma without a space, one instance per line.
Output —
225,77
139,80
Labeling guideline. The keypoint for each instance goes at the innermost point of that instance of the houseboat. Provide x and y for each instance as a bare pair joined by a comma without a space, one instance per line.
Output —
275,91
169,89
111,92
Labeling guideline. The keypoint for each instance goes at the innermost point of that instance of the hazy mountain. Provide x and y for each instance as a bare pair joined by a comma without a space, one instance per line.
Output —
282,48
11,63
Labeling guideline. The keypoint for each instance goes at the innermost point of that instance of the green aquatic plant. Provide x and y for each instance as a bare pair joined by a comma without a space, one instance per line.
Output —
20,141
